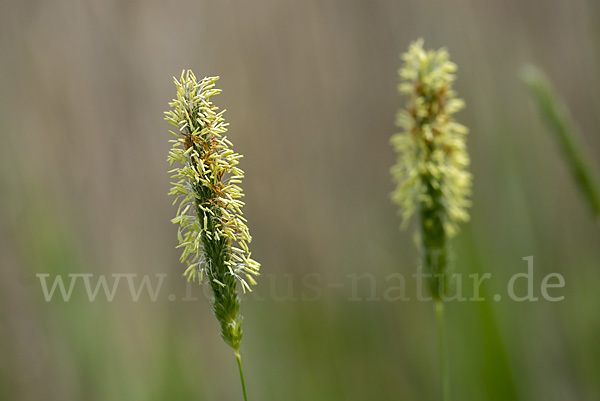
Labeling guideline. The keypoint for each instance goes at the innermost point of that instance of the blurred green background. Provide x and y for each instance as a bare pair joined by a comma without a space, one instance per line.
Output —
310,89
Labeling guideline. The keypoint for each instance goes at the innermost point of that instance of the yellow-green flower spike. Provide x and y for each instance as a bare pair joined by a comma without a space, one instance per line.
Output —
212,231
431,170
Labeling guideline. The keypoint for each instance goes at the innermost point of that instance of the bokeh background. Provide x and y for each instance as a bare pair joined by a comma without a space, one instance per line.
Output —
310,89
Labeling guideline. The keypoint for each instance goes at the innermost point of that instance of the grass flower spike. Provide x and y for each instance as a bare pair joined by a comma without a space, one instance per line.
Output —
431,171
212,231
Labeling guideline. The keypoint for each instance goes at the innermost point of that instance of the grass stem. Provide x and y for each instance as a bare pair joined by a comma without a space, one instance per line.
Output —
239,361
443,352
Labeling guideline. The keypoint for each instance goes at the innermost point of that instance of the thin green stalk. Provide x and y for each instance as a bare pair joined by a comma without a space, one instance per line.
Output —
442,349
239,361
556,116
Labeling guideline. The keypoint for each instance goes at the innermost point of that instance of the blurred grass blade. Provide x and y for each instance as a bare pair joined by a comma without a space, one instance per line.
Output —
556,116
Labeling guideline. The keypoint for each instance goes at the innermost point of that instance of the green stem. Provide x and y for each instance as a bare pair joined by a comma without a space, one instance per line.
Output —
239,361
443,352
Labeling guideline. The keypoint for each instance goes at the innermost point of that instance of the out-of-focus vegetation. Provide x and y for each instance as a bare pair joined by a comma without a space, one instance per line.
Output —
310,89
566,136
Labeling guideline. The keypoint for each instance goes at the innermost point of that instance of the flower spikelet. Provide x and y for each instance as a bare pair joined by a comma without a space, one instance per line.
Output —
432,159
212,230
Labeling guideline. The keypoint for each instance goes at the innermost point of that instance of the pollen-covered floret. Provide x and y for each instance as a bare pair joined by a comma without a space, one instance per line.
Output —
206,187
